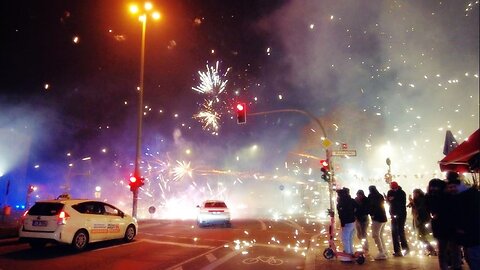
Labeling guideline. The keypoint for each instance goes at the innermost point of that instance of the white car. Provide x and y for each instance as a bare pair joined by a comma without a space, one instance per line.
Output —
75,222
213,212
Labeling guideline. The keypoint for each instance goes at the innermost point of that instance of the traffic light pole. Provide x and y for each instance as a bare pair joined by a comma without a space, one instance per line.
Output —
134,203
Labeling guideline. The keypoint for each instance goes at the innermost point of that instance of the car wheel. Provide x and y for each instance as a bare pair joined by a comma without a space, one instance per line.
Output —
129,233
37,244
80,240
228,224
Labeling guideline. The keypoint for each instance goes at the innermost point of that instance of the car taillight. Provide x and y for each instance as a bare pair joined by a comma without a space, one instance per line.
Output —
24,216
62,218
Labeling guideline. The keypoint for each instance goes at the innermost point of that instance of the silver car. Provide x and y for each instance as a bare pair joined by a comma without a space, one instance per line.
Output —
213,212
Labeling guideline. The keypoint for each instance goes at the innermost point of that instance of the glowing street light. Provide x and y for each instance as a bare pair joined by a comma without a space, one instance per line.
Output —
144,13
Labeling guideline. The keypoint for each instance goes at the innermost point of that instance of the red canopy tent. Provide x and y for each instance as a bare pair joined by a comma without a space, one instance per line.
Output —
460,159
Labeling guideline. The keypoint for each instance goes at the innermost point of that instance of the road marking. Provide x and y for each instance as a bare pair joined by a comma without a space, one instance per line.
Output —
177,244
210,257
262,223
184,237
221,260
175,267
271,260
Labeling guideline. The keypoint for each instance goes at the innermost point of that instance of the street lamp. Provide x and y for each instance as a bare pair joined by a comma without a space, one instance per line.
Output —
143,14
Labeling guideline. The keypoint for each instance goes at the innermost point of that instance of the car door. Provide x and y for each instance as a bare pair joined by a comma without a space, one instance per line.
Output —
115,222
95,220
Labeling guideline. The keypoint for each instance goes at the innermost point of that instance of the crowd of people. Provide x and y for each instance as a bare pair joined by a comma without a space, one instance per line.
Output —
449,210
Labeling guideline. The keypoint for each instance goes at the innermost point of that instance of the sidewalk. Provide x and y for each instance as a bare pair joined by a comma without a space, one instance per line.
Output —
414,260
393,263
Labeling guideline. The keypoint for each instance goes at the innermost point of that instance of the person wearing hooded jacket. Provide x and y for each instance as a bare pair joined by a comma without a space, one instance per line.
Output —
361,218
378,215
346,207
397,199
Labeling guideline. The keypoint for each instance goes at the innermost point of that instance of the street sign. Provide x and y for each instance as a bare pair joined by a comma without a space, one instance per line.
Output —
344,152
326,143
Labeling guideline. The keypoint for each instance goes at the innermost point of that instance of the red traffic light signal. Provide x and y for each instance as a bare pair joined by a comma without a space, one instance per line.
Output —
324,164
241,109
135,182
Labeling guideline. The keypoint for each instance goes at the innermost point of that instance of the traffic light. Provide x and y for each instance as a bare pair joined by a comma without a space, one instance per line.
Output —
136,182
325,170
241,113
325,175
324,164
31,188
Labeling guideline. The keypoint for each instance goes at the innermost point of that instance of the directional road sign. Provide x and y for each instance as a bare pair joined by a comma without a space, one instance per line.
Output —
344,152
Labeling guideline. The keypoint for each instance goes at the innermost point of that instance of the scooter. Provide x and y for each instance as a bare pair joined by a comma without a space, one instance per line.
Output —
331,252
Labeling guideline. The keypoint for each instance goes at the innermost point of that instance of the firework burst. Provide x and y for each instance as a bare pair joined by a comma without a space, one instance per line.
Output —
209,119
181,170
211,82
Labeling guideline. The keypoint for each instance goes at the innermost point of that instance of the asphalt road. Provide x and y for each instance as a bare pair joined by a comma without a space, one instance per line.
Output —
249,244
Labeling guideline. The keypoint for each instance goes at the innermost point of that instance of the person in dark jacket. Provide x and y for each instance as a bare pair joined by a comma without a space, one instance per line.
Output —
421,219
361,218
467,217
379,219
441,208
346,207
397,199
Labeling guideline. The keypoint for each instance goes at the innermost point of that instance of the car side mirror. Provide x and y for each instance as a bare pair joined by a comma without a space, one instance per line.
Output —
198,206
122,214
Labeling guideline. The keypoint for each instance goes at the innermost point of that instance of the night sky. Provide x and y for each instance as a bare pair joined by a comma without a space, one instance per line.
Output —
386,77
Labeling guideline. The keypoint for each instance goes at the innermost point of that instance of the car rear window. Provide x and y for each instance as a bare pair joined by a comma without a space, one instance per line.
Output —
45,209
215,205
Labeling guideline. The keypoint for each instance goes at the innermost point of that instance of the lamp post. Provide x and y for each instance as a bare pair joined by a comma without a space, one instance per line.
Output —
144,13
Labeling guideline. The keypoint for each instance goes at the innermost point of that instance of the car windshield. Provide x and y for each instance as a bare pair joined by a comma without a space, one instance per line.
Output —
45,209
215,205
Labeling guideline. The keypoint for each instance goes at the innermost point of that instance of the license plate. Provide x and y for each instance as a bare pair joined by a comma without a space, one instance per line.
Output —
40,223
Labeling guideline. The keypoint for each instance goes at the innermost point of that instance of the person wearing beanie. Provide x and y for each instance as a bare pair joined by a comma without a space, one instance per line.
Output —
397,199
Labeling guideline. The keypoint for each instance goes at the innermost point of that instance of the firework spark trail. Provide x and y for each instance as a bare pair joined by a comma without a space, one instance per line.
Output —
307,156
